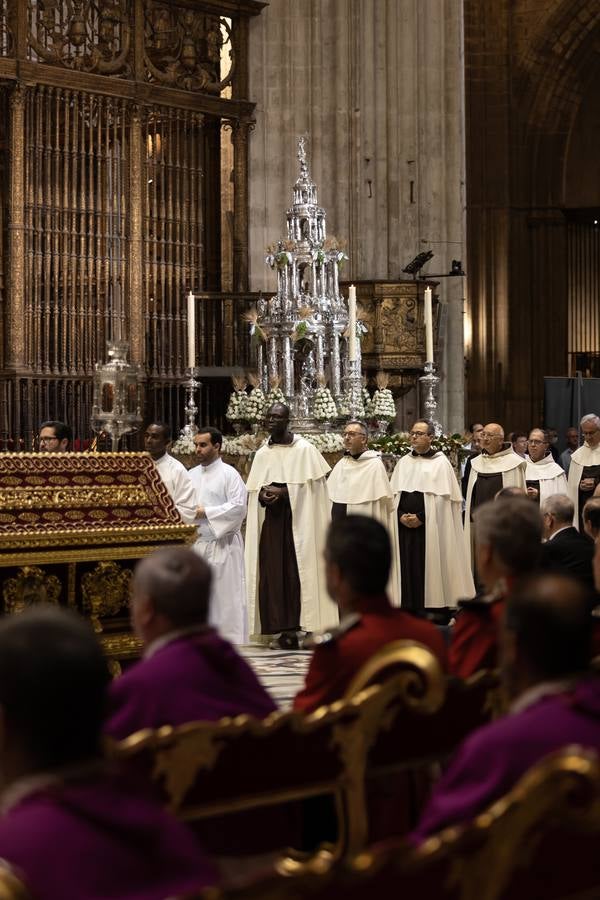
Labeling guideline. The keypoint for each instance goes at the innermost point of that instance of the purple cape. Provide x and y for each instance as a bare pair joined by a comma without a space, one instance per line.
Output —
194,678
491,761
97,838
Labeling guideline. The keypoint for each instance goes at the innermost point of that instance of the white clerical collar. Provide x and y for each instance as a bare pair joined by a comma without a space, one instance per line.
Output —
212,465
28,785
539,691
558,531
162,641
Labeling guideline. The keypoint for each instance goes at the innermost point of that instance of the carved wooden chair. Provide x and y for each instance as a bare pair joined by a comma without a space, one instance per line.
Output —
540,841
430,716
210,774
10,886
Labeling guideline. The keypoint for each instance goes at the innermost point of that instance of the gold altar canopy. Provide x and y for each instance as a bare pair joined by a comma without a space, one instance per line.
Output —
72,526
120,120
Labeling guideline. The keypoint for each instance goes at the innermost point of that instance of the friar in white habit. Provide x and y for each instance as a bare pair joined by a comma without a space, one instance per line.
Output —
496,467
174,474
544,476
434,564
221,497
288,517
584,471
359,485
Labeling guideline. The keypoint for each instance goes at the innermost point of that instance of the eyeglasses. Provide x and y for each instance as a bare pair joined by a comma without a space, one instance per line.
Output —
535,441
417,433
46,440
491,434
354,434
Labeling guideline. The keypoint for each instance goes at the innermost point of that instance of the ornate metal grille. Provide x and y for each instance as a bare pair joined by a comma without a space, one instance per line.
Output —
110,200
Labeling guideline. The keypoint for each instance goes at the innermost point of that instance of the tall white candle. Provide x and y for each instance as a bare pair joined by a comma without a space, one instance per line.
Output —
352,323
428,316
191,331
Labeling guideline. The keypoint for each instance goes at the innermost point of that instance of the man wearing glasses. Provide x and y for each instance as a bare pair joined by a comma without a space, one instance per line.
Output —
543,475
359,485
584,471
433,559
55,437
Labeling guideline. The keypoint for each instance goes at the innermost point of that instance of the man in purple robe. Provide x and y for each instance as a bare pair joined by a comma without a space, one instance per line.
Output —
188,672
545,653
70,824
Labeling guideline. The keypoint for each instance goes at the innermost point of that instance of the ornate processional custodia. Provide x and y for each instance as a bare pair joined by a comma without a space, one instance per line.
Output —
304,327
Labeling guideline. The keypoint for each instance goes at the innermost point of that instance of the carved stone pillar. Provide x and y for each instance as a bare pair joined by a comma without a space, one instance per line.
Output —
240,207
16,325
136,248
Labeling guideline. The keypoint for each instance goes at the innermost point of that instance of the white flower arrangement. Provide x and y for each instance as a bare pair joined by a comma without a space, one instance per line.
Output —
244,445
236,408
275,394
184,445
383,406
255,406
324,408
326,443
367,403
342,407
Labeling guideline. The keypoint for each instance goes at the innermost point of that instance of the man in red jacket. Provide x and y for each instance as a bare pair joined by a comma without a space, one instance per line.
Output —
508,536
357,560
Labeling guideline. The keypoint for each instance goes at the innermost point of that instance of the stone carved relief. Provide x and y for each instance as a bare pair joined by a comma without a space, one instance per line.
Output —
30,585
85,35
182,47
105,591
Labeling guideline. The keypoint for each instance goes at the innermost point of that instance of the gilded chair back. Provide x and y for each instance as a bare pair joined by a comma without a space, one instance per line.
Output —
539,841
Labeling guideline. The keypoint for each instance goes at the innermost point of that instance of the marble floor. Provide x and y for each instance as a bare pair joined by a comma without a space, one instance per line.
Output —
280,671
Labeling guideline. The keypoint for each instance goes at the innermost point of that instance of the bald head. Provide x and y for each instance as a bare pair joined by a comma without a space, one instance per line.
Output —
172,588
549,617
492,437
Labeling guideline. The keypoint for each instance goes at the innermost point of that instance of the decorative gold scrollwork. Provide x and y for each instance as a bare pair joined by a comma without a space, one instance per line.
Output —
88,37
182,47
105,591
30,585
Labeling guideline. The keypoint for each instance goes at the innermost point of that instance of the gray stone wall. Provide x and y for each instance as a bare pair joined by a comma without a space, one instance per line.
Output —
378,87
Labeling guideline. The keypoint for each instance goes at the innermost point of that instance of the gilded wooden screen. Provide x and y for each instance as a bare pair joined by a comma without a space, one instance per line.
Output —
110,206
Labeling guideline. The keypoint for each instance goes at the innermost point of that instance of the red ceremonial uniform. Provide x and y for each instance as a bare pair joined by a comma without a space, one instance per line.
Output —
336,662
474,641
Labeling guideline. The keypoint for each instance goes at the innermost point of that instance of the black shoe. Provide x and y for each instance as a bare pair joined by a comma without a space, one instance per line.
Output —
287,640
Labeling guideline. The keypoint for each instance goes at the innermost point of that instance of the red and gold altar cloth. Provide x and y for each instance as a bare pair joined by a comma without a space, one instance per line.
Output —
72,527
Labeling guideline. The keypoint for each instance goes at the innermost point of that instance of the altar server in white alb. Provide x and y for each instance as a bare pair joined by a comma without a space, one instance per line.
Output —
584,471
221,497
544,476
174,474
434,565
288,517
359,485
